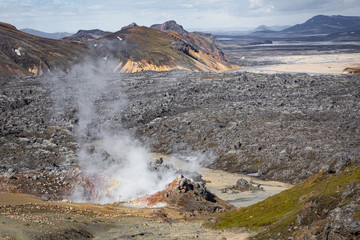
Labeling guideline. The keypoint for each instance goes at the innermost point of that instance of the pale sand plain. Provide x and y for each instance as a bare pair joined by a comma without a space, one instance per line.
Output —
312,64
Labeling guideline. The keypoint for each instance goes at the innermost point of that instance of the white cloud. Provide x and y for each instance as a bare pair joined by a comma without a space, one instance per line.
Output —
187,5
256,3
96,7
71,15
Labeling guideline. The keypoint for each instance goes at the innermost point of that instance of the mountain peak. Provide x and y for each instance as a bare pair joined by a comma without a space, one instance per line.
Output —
262,28
92,31
131,25
170,25
84,35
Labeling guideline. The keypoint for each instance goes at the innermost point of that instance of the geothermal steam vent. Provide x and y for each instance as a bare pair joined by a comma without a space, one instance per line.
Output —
113,165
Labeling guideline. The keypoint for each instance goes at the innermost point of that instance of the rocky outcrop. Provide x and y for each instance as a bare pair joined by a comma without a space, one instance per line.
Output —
186,195
243,185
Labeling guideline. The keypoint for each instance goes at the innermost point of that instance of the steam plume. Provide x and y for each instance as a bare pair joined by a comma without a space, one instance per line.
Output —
117,164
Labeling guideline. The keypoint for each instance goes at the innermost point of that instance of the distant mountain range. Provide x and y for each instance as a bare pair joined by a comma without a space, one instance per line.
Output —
318,28
322,24
169,26
56,35
317,25
165,46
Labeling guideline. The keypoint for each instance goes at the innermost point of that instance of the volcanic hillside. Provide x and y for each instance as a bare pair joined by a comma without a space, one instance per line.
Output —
24,54
132,49
142,48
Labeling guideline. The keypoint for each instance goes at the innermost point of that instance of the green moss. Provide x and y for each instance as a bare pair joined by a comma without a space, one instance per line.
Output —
281,210
357,214
258,163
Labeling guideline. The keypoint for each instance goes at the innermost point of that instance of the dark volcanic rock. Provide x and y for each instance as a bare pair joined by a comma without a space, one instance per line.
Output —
281,126
285,123
29,138
187,195
343,222
244,185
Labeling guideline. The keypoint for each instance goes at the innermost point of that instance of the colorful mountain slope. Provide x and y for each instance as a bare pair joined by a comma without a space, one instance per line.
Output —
141,48
132,49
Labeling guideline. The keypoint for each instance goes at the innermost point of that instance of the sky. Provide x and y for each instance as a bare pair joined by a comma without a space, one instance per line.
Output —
207,15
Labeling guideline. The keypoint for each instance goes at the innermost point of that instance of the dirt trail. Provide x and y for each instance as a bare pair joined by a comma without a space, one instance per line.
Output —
27,217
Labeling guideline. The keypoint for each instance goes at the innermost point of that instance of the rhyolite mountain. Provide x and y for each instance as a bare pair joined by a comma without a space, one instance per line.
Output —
161,47
142,48
131,49
56,35
24,54
322,24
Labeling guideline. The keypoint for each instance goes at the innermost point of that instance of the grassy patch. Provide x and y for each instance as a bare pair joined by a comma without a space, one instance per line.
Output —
281,210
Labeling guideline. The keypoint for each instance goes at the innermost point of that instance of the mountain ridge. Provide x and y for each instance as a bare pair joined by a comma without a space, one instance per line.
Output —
24,54
84,35
323,24
55,35
170,25
132,49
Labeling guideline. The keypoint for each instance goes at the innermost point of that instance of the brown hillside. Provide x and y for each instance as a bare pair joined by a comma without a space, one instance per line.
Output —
131,50
24,54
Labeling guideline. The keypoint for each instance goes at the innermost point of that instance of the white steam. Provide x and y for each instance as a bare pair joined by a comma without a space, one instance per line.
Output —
116,163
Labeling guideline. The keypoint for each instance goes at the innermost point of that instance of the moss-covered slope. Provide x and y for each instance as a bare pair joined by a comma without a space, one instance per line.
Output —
325,206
